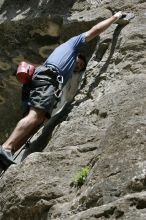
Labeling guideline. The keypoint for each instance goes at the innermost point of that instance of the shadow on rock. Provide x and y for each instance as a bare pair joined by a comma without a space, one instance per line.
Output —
99,55
105,66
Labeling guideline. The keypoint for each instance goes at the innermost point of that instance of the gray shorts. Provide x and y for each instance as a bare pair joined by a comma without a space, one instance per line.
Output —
41,97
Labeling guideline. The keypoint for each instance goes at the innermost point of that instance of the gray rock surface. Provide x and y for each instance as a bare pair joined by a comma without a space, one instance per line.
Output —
103,128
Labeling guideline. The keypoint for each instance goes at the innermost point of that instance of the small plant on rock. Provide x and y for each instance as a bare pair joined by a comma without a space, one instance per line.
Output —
80,177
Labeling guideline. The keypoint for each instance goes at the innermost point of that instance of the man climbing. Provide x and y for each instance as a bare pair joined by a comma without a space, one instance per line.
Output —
54,72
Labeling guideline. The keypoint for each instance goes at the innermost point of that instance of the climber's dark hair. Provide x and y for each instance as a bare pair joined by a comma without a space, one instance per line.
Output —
83,57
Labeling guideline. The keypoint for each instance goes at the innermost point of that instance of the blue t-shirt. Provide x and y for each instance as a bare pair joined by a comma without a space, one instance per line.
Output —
64,56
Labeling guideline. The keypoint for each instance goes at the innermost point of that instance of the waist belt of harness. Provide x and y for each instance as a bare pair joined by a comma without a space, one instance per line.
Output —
38,83
50,70
54,77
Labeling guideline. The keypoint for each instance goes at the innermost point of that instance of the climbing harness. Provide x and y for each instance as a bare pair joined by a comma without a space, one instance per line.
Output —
54,77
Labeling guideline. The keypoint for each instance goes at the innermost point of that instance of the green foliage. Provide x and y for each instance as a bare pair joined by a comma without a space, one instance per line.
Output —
80,177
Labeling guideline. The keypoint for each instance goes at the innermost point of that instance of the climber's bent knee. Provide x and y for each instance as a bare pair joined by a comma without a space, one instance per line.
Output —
36,115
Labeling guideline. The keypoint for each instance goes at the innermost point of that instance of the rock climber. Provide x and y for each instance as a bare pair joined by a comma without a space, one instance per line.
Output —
56,70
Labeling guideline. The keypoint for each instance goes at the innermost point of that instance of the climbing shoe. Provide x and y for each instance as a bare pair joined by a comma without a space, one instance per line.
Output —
6,159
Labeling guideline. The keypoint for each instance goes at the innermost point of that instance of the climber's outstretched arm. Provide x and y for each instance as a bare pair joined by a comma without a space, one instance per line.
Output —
101,27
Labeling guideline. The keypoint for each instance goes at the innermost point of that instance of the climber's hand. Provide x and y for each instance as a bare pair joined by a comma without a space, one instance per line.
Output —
119,15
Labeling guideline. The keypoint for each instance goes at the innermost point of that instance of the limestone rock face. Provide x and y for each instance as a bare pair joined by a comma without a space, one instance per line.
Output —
103,128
